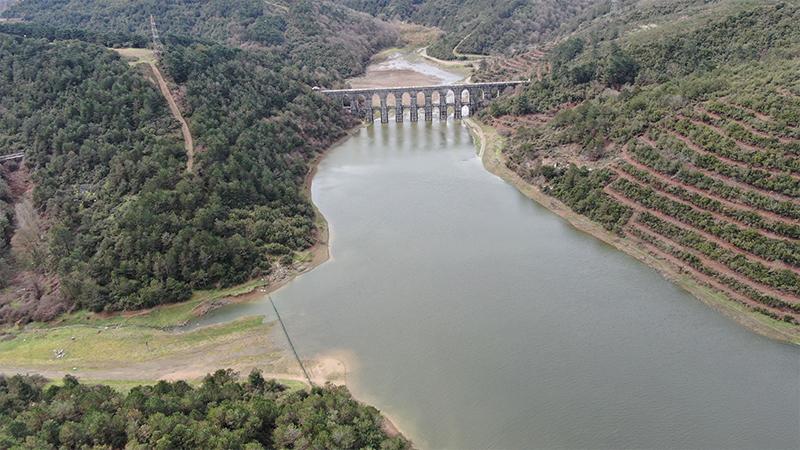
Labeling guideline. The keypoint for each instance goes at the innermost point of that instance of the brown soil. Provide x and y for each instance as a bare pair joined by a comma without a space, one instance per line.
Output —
619,197
19,181
731,204
722,218
746,126
728,180
743,165
718,266
32,293
703,278
757,114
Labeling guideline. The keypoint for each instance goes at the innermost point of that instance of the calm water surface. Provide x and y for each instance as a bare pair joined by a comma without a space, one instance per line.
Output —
478,319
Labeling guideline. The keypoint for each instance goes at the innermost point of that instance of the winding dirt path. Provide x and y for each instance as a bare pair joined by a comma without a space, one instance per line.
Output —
458,54
188,143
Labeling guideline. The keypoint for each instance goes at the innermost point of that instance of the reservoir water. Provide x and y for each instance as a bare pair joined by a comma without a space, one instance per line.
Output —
477,319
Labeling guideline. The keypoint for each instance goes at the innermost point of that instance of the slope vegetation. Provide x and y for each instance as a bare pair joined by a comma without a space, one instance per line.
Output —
488,27
125,225
318,35
222,412
683,137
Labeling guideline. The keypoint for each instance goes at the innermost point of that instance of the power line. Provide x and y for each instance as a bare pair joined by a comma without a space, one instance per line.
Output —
157,46
286,333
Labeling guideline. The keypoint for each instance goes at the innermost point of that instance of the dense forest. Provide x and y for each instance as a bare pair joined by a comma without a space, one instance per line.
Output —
680,135
488,27
129,228
94,133
222,412
117,223
316,36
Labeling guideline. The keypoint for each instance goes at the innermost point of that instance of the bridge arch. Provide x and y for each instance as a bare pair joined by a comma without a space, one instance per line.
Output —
420,98
464,98
392,98
464,94
450,95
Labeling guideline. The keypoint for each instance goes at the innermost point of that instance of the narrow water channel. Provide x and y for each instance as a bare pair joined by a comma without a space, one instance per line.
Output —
477,319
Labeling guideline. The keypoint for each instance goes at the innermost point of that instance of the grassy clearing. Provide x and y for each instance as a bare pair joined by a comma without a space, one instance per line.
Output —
293,385
124,350
121,386
164,316
136,56
414,35
92,347
126,356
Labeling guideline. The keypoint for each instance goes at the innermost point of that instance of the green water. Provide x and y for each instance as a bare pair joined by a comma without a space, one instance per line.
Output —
477,319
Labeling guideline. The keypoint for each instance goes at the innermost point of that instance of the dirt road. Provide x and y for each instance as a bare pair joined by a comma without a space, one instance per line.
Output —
188,143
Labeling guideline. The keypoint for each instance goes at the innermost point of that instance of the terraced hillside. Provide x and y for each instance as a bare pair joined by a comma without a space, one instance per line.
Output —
717,187
701,170
523,65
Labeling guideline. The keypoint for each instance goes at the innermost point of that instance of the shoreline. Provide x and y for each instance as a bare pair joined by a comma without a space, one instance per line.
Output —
320,254
326,368
317,254
492,158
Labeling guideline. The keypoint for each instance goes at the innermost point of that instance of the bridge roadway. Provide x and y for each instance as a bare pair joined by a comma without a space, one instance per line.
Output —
362,101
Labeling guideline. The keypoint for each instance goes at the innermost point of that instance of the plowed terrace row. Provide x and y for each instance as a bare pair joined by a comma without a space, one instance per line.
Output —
715,192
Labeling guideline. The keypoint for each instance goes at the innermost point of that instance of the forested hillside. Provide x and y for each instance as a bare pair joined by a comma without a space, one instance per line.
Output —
116,223
221,413
94,133
682,135
314,35
488,26
130,229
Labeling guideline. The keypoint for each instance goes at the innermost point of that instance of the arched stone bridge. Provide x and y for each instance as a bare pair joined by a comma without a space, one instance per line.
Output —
364,102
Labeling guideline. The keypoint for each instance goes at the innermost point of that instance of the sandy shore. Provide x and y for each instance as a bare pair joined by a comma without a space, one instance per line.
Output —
490,152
